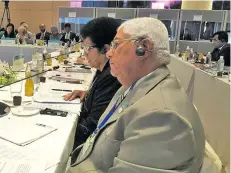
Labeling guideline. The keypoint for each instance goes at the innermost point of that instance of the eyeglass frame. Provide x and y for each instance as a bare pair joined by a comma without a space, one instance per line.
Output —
86,48
213,39
113,48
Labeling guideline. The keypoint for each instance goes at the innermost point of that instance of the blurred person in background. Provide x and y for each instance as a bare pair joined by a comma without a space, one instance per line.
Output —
43,35
21,37
55,35
29,35
68,35
221,47
9,32
186,35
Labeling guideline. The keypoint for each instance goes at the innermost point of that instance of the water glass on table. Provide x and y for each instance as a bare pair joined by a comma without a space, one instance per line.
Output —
16,93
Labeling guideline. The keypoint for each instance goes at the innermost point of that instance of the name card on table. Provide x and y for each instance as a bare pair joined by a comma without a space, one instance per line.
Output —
53,43
40,42
7,41
112,15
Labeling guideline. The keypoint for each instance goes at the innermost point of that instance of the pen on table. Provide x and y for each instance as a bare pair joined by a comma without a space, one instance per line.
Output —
42,125
61,90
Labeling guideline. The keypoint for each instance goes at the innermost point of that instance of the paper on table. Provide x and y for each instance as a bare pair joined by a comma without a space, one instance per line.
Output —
76,76
23,133
46,95
8,152
53,97
23,166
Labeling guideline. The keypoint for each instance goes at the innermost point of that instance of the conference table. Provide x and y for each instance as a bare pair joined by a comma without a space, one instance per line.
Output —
211,96
51,152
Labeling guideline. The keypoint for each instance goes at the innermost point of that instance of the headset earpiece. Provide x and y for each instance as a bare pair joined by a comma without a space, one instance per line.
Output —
103,50
140,51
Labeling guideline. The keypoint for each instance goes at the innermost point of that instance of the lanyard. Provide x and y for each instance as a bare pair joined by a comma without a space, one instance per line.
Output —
113,109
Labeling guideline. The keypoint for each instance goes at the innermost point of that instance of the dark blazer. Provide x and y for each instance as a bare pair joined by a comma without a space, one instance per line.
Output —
72,37
47,35
104,86
225,51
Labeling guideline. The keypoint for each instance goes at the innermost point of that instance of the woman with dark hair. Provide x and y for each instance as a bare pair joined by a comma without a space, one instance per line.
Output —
9,32
96,36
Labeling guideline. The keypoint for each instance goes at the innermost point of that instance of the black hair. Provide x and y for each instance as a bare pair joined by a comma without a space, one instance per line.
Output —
10,24
67,25
222,35
12,34
101,31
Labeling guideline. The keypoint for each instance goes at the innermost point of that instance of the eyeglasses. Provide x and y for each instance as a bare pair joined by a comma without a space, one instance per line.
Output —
213,39
115,43
87,48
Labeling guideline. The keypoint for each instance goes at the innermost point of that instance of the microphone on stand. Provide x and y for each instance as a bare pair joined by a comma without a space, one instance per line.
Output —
4,108
63,54
53,68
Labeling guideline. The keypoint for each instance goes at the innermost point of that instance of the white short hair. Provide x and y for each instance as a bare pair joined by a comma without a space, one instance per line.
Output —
153,29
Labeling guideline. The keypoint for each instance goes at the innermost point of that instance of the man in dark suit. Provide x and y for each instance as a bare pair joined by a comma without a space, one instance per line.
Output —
221,47
186,35
68,35
43,35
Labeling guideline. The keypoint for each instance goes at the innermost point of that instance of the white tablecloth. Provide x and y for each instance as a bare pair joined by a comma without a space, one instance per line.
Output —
211,96
55,148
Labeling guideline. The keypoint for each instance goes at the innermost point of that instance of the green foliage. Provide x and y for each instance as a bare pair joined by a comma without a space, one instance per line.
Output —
8,77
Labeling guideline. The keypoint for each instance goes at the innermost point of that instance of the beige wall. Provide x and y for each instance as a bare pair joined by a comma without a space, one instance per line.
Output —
34,13
197,5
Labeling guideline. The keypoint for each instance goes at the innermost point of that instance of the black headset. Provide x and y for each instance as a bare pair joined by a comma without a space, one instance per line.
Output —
103,50
140,51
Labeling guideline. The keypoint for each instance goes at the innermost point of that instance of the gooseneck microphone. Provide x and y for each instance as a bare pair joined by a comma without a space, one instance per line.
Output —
4,108
53,68
63,54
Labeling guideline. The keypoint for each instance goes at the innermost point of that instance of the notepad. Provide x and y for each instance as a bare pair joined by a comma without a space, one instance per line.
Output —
23,133
46,95
53,97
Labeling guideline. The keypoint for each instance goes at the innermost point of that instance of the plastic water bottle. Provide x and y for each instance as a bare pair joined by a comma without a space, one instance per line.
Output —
3,36
187,53
208,58
191,55
29,85
221,64
177,50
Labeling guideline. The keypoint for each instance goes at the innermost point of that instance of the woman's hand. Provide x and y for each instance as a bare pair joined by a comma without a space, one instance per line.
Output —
82,60
75,94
